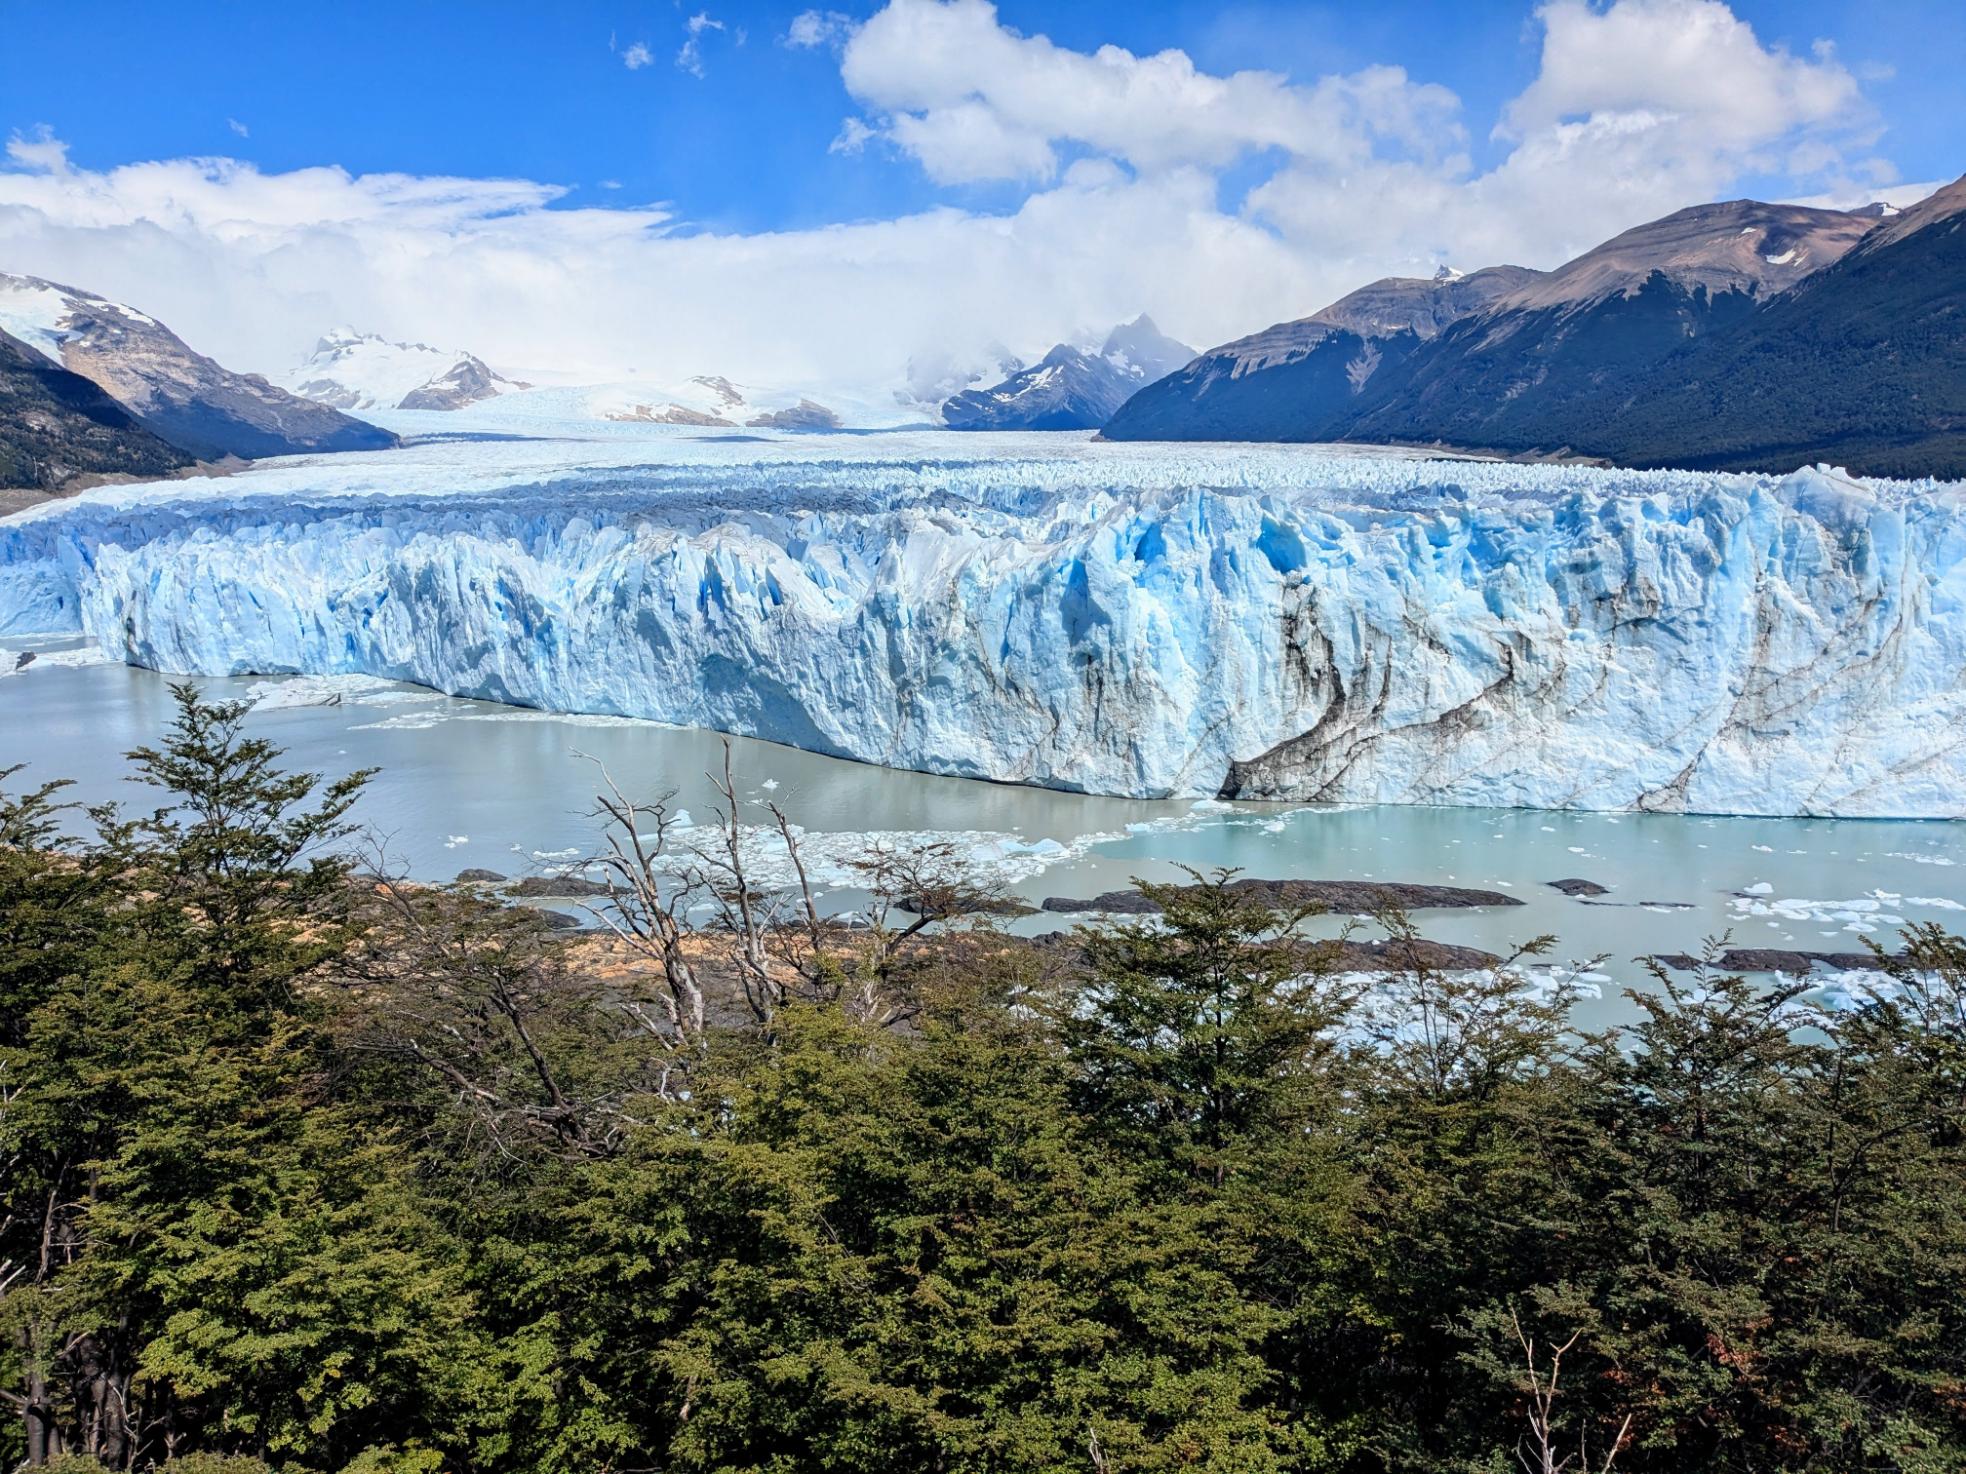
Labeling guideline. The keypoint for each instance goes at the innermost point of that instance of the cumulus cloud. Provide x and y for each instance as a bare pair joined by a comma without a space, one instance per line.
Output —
637,56
973,99
1637,108
1679,61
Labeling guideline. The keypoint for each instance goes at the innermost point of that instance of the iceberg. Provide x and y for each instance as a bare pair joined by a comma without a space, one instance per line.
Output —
1251,622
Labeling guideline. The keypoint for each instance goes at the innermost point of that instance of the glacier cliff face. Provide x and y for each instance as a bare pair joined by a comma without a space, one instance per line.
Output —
1264,623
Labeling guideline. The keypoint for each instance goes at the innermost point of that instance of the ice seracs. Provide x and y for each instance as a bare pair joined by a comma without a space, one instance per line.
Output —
1257,622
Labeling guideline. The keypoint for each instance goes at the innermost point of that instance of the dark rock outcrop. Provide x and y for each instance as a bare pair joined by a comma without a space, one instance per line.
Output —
466,382
1775,959
1576,887
1347,896
555,887
805,415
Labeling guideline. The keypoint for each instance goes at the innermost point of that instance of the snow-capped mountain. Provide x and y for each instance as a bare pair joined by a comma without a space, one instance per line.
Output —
1072,388
714,402
180,395
364,371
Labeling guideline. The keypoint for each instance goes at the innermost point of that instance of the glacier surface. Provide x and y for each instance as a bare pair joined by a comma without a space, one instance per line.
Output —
1263,622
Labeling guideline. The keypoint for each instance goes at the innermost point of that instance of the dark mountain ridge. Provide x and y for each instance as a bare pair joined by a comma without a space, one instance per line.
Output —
1310,371
1739,335
56,426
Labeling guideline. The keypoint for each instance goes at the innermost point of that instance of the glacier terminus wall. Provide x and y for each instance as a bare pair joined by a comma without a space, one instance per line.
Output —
1253,622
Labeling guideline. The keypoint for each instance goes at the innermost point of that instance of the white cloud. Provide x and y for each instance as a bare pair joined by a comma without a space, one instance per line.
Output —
238,127
39,150
852,137
252,267
812,29
1679,62
1637,109
637,56
690,57
975,100
1369,174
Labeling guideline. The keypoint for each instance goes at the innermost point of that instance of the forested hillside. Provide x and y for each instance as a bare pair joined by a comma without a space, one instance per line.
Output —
1863,364
309,1169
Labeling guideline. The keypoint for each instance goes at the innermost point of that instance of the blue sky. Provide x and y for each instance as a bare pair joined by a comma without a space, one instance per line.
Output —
534,91
1217,201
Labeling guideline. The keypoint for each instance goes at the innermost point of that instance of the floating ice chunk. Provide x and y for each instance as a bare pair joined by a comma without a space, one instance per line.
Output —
18,662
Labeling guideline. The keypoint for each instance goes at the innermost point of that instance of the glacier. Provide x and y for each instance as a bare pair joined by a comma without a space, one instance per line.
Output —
1258,622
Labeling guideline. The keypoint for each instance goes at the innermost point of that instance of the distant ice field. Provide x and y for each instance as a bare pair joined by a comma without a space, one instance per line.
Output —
1286,623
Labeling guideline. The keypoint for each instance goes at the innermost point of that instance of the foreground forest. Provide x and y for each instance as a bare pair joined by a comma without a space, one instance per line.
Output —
307,1169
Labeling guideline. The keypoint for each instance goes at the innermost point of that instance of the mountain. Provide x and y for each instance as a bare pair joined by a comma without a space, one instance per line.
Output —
357,371
1499,358
1309,372
1863,363
1070,389
180,396
713,402
1542,359
56,425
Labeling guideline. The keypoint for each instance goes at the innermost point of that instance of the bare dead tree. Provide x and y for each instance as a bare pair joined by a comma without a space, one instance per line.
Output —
481,998
1452,1030
647,910
1537,1450
750,914
932,884
766,922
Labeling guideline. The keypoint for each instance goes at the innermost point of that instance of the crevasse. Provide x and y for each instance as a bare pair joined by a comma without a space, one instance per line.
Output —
1263,624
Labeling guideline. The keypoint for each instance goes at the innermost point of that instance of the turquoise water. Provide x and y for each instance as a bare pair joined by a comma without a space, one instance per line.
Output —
464,784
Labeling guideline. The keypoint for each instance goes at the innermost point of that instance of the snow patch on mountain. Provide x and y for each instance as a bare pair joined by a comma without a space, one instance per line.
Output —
364,371
707,402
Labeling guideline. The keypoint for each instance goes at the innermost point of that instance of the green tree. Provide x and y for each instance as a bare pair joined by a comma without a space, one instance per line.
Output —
234,1269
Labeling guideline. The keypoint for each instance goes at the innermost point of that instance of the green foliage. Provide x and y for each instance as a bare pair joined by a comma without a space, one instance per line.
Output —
307,1174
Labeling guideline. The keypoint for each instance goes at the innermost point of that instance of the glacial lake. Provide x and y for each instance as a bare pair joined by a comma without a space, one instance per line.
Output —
467,784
